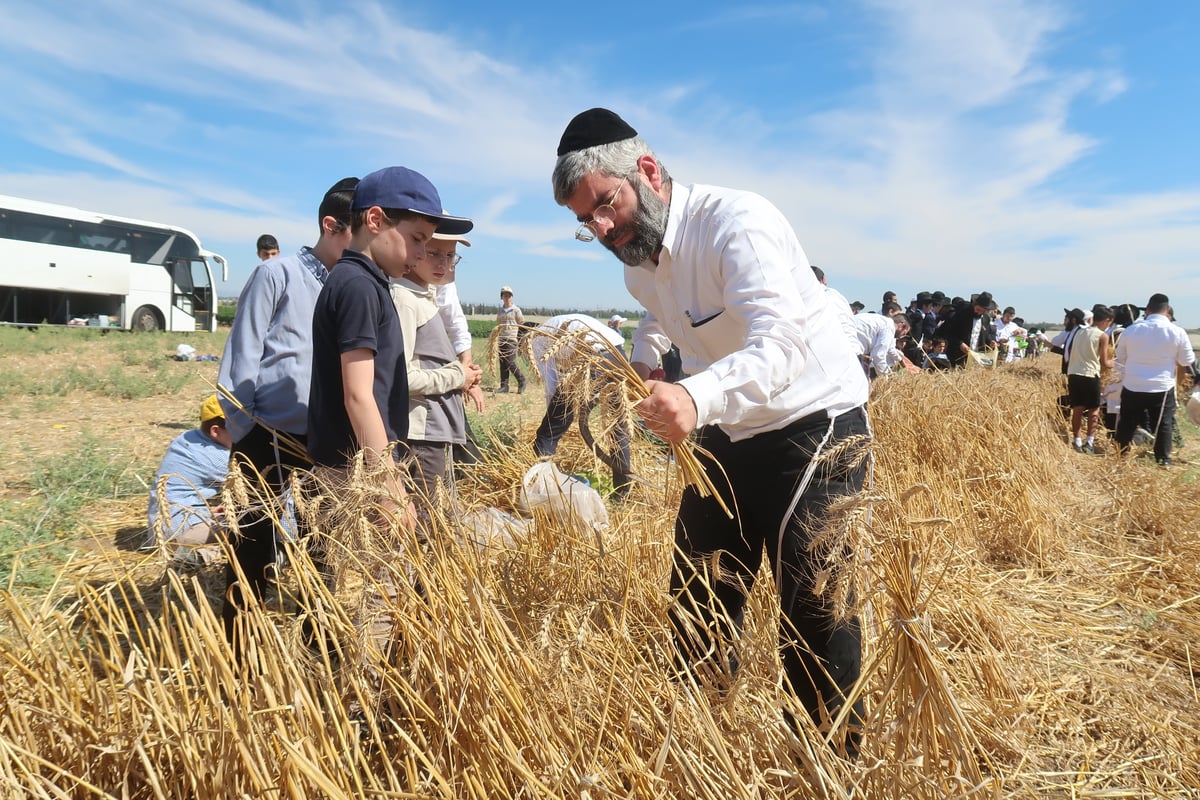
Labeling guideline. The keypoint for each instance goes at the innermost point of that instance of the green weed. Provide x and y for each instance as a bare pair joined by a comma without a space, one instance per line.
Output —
144,368
226,309
43,341
33,527
136,384
496,429
480,328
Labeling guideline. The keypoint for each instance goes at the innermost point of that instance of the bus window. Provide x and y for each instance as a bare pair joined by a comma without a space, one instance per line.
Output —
149,247
183,247
104,237
200,275
181,271
43,230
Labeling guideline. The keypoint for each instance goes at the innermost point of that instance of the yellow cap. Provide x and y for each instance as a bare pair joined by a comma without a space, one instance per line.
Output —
211,409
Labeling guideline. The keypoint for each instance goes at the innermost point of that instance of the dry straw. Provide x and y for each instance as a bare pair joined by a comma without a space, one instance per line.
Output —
1030,617
589,368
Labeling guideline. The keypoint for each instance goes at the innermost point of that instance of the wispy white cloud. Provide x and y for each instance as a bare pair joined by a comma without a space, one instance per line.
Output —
67,142
942,57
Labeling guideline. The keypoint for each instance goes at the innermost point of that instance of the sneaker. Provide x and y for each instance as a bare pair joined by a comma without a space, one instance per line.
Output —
521,389
1078,448
1089,449
502,390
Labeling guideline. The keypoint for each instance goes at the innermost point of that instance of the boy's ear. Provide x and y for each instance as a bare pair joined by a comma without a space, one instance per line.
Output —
375,219
331,226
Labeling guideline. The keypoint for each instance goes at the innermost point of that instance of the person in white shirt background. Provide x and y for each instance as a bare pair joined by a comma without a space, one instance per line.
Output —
1150,353
560,412
1007,332
773,384
875,340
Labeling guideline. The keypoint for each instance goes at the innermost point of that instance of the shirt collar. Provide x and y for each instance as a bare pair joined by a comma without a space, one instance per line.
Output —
415,288
364,261
673,235
314,265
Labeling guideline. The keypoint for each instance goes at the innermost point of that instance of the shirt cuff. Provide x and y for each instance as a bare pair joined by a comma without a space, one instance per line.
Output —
645,353
705,389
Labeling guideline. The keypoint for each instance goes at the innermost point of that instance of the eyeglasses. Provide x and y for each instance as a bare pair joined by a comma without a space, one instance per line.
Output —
450,258
601,213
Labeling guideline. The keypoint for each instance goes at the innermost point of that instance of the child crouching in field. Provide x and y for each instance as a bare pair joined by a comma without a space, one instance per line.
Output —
437,379
190,475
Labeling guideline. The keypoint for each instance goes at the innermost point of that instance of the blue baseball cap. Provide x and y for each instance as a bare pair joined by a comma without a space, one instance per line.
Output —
406,190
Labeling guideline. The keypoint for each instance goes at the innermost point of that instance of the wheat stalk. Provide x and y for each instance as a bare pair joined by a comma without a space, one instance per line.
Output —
585,359
287,442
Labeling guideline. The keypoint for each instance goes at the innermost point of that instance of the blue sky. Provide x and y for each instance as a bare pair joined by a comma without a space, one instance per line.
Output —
1044,151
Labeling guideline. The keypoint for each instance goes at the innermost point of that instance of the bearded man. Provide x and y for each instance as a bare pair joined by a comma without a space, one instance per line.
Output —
773,387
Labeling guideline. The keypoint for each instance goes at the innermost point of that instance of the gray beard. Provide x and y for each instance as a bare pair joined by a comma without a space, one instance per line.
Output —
649,226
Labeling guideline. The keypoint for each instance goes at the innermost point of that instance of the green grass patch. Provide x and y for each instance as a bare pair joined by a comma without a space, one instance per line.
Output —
1188,456
480,328
125,365
496,429
34,528
225,312
119,380
44,341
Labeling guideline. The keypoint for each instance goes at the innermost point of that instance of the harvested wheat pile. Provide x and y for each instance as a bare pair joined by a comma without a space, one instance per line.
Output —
1030,617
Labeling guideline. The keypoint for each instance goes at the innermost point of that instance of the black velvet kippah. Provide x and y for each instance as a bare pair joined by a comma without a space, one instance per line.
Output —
592,127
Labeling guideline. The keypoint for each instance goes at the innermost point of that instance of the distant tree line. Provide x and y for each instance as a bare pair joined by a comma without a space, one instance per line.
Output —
479,309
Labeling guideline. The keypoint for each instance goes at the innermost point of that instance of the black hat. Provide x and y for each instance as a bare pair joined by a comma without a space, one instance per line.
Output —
594,127
1074,313
1158,299
939,298
983,300
924,297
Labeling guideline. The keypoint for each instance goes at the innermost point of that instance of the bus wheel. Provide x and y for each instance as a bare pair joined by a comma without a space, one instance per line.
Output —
145,319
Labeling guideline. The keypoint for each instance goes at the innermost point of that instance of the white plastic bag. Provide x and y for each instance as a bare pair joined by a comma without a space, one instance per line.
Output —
185,352
563,497
492,528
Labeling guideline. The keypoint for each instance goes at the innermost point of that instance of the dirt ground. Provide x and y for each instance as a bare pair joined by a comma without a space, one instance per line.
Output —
39,426
37,429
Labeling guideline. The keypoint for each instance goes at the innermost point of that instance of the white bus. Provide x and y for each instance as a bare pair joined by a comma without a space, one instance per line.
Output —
63,266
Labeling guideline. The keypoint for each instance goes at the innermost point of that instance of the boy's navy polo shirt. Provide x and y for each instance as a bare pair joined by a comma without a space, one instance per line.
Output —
354,310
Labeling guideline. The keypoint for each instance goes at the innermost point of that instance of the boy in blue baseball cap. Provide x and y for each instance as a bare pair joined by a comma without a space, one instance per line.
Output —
358,399
359,394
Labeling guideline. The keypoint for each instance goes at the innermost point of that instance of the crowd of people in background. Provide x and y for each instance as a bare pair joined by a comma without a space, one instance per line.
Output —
1128,390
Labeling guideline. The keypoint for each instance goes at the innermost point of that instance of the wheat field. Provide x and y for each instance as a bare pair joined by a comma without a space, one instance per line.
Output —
1029,612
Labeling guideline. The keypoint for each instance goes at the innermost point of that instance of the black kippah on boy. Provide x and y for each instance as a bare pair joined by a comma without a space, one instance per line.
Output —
594,127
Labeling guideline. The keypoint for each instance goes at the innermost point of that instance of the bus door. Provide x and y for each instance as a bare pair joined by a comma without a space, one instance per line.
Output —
193,291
